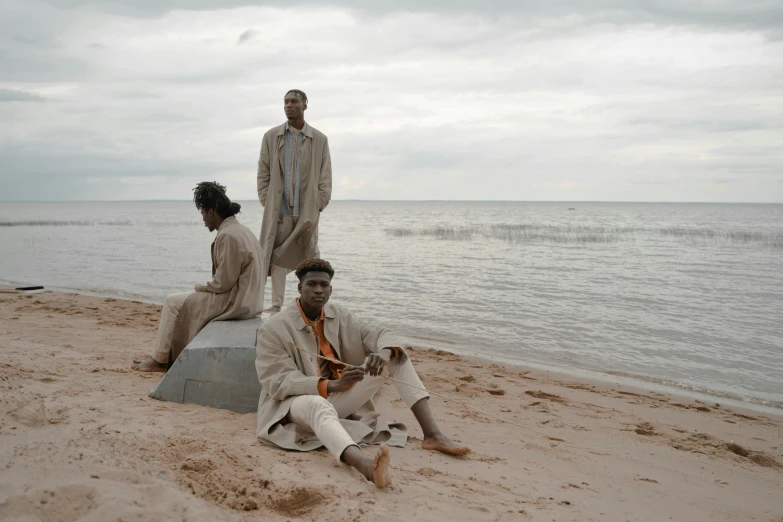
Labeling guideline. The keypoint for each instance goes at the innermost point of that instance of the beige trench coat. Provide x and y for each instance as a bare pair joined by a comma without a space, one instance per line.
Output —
315,191
285,372
235,289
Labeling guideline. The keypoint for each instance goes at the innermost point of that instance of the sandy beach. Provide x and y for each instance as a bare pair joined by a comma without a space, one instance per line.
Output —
80,440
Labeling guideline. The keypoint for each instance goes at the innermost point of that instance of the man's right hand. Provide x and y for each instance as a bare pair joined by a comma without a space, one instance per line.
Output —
350,376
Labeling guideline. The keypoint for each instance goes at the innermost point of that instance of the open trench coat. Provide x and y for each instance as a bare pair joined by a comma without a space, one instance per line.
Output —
286,372
315,191
235,289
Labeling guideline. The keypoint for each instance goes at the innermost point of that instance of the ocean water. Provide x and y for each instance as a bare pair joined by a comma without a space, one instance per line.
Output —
688,295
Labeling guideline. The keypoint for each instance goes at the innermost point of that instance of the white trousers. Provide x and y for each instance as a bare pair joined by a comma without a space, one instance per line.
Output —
168,320
321,416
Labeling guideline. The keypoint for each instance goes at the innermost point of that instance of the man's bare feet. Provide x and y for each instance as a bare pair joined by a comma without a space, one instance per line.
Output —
149,365
272,309
375,469
380,467
443,444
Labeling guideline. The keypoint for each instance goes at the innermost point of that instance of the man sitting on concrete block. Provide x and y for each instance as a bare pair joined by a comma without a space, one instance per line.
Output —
233,293
306,400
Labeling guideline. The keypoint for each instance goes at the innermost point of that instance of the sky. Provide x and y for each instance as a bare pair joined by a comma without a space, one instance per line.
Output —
559,100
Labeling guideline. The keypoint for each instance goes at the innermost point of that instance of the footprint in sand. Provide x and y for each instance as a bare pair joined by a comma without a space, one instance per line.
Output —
645,428
538,394
709,445
757,457
298,502
31,414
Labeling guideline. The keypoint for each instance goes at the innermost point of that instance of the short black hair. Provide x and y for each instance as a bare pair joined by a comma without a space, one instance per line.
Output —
212,195
299,93
314,265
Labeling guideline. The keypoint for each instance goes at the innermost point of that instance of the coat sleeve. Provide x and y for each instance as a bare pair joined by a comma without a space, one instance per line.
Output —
263,171
277,371
229,266
325,179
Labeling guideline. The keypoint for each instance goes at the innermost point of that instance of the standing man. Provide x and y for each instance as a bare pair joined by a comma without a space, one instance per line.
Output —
294,186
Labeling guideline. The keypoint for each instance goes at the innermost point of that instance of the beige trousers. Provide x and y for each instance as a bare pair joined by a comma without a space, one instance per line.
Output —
321,416
278,275
285,226
168,320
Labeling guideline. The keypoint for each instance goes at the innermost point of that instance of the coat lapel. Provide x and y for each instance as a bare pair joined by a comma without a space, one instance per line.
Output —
332,330
280,145
306,331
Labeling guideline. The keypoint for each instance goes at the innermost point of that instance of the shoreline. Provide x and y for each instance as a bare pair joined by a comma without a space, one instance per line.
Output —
639,381
78,433
643,383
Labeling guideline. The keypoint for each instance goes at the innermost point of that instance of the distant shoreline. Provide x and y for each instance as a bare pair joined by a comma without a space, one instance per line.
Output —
423,201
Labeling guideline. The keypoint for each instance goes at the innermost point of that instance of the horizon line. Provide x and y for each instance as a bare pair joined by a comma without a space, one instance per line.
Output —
410,201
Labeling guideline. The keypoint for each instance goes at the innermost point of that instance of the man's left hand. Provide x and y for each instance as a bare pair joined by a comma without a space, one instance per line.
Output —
376,361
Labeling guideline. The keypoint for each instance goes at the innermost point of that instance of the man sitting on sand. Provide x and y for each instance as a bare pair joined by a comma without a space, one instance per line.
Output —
233,293
305,401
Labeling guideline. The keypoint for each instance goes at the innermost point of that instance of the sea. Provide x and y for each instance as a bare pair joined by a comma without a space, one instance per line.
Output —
683,297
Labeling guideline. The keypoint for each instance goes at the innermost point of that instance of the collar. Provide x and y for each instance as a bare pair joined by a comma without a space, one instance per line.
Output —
300,319
306,130
304,317
229,220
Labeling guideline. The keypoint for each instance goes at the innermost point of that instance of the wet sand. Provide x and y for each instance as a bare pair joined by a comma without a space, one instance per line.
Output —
80,440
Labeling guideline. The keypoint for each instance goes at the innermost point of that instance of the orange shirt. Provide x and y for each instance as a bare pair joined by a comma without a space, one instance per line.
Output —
336,369
325,348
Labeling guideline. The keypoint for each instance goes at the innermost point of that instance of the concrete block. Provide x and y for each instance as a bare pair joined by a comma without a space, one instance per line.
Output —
216,369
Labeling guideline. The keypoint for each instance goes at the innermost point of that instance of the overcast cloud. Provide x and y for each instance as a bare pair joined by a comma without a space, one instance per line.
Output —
635,100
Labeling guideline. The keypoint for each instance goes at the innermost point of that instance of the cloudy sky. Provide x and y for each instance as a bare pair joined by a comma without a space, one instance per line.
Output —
624,100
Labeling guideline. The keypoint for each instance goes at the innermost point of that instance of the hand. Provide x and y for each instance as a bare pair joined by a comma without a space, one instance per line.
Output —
376,361
349,377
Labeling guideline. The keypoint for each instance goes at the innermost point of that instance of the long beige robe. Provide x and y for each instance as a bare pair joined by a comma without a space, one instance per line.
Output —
235,289
315,191
286,372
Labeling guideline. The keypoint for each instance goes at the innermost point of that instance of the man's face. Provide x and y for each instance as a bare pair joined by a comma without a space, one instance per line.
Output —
315,289
209,217
294,106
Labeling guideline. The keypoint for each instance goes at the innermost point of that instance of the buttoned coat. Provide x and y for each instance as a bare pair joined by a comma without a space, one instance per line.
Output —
235,290
315,191
286,372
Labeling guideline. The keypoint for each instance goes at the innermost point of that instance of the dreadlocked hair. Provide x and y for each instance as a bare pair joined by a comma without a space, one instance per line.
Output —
211,195
314,265
299,93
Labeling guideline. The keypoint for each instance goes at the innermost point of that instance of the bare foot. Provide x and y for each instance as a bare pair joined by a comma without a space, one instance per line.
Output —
443,444
380,467
149,365
272,309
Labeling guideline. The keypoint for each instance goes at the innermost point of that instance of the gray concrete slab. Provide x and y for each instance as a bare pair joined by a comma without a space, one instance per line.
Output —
216,369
